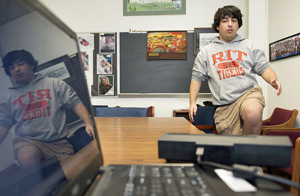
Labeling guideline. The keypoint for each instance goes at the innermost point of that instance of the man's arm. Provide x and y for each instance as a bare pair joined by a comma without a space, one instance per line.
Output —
270,76
83,114
194,90
3,133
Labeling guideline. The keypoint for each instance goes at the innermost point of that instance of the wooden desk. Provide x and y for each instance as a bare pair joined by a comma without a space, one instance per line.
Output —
127,140
133,140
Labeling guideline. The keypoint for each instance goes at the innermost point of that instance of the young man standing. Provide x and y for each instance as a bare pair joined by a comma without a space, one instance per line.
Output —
35,106
229,64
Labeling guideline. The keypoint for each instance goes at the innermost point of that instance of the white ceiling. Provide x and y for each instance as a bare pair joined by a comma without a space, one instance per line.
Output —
11,10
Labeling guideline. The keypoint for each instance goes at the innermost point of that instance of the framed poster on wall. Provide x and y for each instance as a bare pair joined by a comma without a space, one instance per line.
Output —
202,37
153,7
286,47
166,45
60,68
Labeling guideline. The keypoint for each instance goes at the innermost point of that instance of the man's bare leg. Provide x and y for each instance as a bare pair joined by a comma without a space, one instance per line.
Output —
28,159
252,118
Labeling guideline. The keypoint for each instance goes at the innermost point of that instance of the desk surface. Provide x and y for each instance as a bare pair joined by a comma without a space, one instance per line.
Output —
133,140
127,140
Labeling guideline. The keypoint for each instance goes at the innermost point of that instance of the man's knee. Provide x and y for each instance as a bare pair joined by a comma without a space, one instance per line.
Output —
252,119
252,114
28,159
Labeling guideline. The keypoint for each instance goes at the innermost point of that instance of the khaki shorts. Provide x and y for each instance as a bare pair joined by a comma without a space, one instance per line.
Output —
228,119
61,149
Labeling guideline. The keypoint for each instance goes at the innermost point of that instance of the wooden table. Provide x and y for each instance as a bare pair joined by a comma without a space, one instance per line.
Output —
133,140
127,140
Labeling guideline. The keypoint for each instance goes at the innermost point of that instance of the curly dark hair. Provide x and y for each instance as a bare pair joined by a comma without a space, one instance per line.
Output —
18,55
229,10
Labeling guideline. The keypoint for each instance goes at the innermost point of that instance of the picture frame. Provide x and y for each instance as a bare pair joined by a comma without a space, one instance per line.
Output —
153,7
85,60
207,34
283,48
171,45
60,68
107,43
85,41
105,85
104,64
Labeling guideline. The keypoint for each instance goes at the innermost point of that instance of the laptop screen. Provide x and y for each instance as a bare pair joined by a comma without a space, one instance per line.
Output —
38,115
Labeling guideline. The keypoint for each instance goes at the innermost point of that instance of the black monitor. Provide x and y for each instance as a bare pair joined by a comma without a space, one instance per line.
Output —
259,150
28,25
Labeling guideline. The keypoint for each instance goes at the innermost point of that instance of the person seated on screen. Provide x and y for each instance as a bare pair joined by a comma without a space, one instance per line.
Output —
34,105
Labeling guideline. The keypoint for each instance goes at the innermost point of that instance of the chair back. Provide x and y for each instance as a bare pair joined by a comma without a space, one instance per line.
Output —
124,112
280,116
293,135
98,106
205,116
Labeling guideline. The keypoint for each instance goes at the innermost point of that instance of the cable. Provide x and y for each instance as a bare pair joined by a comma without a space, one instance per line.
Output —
217,165
247,172
278,179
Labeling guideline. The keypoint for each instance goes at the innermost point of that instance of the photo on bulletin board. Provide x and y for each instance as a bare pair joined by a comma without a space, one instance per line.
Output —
85,60
153,7
107,43
167,45
60,68
106,84
202,37
289,46
86,41
104,64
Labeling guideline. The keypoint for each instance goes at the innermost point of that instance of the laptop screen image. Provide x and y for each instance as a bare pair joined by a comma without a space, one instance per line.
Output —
27,27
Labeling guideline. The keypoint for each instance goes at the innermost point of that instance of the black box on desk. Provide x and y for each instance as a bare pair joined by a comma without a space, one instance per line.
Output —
248,150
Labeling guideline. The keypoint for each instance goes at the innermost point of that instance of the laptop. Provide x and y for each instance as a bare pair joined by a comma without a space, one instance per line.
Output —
30,26
27,24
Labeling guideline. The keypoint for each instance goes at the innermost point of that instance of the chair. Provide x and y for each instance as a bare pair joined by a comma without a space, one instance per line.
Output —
293,171
204,119
79,139
124,112
281,118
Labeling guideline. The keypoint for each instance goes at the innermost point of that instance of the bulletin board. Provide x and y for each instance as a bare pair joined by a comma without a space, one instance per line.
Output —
139,75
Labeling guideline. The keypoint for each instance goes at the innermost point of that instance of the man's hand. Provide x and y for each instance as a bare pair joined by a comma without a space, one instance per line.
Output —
276,84
270,77
90,130
192,111
83,114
